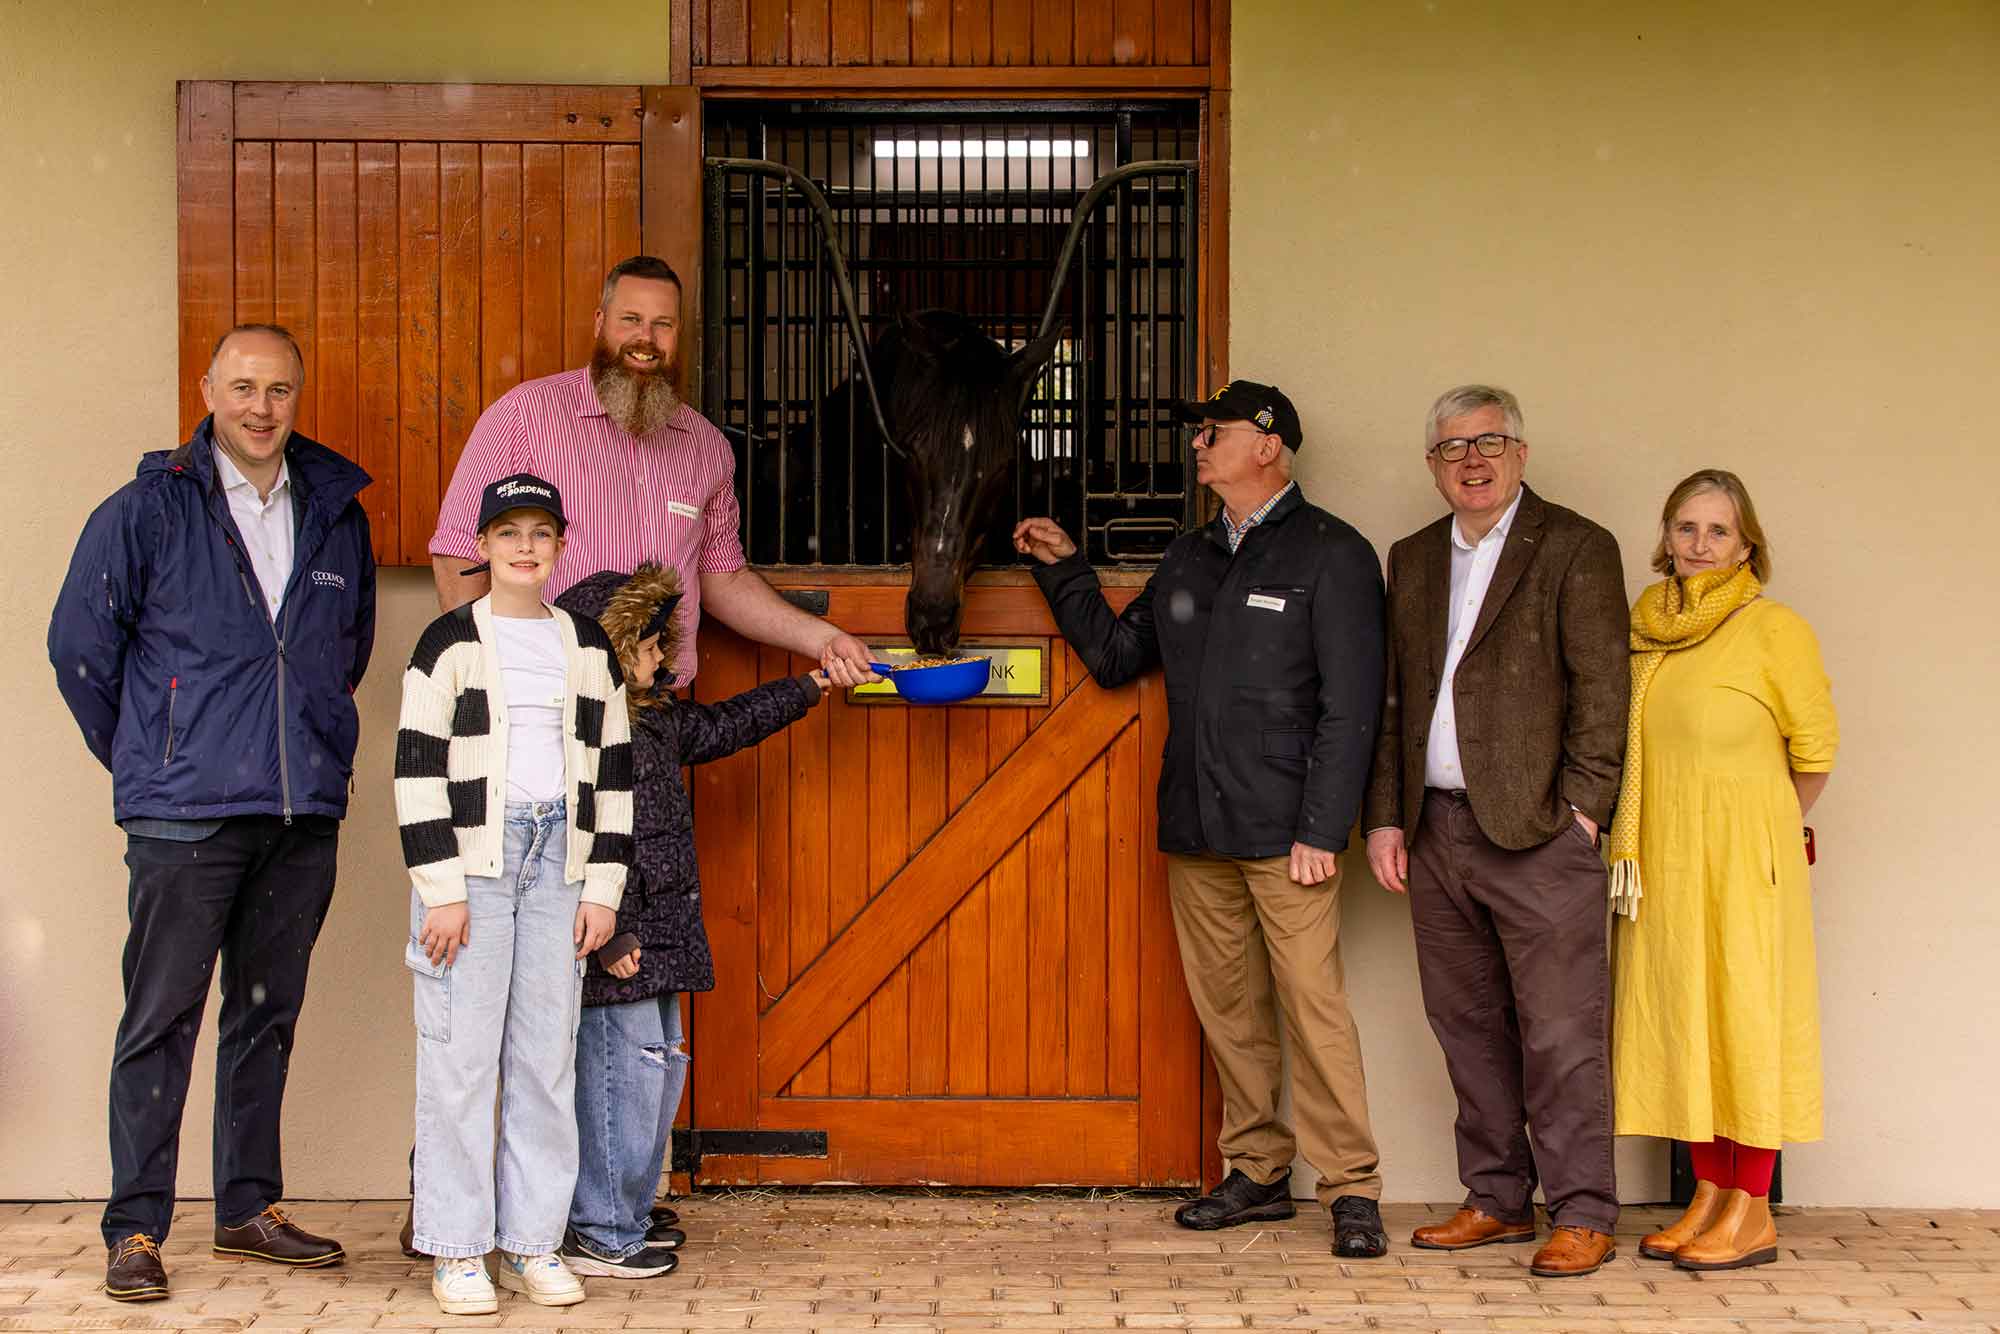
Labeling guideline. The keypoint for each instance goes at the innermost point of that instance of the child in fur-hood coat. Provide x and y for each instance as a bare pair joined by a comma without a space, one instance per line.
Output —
663,892
630,1066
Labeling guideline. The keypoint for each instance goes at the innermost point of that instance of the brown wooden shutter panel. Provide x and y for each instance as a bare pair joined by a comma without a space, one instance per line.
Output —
430,245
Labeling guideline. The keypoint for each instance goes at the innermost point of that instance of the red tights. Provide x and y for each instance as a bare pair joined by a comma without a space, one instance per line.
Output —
1732,1165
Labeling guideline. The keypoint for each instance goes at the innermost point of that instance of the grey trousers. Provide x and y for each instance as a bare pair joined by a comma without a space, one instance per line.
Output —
1511,951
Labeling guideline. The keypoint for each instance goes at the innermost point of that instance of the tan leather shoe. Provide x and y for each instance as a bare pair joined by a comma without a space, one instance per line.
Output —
1740,1235
1471,1227
1573,1252
1665,1244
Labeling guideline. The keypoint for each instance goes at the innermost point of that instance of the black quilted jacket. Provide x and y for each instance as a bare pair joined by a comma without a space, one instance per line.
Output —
662,903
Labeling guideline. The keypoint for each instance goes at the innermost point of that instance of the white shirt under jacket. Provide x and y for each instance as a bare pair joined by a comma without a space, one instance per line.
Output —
1471,575
266,526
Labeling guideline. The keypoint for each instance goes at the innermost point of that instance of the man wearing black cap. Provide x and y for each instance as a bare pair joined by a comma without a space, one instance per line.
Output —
1269,623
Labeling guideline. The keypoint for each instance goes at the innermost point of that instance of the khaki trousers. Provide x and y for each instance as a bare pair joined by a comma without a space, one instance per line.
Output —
1254,944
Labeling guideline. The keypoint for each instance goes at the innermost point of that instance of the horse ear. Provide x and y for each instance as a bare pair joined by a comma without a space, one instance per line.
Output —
916,336
1029,360
1025,365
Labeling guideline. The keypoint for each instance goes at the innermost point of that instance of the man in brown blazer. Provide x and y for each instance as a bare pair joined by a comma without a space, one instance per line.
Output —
1502,736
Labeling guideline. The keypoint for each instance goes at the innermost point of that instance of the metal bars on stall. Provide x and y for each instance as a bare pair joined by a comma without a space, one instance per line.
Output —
967,207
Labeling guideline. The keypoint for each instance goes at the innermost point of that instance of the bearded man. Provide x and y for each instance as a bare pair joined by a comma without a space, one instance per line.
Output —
643,475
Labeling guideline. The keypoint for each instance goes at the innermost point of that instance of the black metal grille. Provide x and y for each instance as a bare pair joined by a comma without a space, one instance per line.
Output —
962,208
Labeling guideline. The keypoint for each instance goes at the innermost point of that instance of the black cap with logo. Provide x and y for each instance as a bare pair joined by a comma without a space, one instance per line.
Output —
1261,405
522,491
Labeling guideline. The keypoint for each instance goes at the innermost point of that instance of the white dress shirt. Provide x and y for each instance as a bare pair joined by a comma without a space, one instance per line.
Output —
1471,575
266,526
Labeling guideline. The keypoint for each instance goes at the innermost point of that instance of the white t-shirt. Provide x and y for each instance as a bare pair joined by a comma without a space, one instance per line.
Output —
534,677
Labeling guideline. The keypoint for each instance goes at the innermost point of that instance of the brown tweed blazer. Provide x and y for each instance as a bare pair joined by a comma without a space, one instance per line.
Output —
1540,692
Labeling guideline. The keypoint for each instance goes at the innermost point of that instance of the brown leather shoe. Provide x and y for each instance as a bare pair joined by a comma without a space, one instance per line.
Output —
407,1238
1663,1245
1471,1227
133,1273
274,1237
1741,1234
1573,1252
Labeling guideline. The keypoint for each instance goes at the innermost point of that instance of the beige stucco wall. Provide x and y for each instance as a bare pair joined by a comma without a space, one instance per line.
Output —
1703,239
1759,237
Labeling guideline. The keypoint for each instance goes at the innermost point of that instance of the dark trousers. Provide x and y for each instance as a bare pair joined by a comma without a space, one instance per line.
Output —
1512,956
255,892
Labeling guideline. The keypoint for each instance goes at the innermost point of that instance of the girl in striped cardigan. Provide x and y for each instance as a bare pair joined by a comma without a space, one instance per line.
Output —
514,793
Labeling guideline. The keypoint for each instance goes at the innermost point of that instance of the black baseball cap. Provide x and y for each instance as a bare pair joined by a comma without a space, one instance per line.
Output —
1261,405
522,491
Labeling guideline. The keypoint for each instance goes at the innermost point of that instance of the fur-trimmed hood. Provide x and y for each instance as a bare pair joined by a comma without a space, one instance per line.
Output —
624,604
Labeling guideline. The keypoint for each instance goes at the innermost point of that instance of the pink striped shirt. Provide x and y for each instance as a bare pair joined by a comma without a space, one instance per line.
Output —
668,498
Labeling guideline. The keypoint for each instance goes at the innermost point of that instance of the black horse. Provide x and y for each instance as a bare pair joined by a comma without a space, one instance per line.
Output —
954,399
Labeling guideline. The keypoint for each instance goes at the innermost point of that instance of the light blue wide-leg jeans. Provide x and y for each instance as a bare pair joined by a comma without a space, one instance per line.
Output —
500,1021
631,1066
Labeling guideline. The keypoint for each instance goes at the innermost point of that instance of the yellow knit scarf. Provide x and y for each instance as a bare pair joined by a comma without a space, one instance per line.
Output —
1671,615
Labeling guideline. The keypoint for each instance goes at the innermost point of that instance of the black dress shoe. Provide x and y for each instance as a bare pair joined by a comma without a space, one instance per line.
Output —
274,1237
408,1238
133,1273
666,1237
1238,1200
1357,1229
662,1216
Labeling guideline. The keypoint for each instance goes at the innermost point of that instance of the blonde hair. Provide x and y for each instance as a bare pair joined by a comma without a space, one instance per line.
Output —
1728,484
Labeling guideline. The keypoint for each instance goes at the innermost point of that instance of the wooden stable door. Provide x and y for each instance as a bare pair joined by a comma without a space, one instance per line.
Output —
941,934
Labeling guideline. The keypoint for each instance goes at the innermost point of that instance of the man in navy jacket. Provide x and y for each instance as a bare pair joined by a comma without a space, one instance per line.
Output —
216,619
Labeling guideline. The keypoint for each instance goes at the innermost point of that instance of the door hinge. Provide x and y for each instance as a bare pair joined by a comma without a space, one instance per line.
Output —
813,601
691,1145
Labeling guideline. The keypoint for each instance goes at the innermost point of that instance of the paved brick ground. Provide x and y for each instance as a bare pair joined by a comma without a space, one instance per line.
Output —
857,1260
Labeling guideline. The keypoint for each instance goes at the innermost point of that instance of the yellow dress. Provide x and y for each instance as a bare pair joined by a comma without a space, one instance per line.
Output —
1715,1026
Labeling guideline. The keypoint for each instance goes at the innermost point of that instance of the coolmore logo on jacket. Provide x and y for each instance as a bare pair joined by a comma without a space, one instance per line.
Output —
329,579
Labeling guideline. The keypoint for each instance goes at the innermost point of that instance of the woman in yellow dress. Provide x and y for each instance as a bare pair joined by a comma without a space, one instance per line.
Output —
1715,1031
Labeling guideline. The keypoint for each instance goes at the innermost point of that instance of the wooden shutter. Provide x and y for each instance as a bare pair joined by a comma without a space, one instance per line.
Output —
431,245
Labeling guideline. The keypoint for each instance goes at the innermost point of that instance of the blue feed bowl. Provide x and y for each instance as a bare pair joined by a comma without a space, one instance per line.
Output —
946,684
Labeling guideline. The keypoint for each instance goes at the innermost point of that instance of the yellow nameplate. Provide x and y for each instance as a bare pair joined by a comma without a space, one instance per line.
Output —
1017,674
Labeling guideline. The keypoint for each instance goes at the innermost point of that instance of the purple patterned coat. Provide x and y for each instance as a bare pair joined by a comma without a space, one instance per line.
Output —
663,892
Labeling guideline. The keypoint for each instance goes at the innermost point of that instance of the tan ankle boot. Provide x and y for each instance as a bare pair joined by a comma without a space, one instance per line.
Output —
1665,1244
1741,1234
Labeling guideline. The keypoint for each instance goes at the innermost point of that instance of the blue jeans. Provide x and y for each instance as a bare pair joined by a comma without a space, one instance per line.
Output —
631,1066
501,1021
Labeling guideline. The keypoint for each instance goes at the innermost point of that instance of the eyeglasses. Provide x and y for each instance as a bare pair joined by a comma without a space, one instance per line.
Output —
1491,445
1202,437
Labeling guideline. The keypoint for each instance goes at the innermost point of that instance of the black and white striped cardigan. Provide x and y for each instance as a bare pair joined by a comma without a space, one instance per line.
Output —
451,758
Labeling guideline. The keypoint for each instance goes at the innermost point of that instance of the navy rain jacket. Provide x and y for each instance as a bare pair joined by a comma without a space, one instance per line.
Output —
199,704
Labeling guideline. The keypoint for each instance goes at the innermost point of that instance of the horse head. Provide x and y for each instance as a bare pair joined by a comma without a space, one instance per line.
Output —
954,401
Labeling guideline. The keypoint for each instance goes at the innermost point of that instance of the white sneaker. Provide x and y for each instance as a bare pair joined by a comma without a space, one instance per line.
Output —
461,1286
542,1279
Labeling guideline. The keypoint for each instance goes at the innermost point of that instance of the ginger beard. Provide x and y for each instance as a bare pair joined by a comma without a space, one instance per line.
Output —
640,401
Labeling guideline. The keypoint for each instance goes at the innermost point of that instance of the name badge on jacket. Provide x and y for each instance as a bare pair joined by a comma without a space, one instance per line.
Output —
683,509
1265,601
